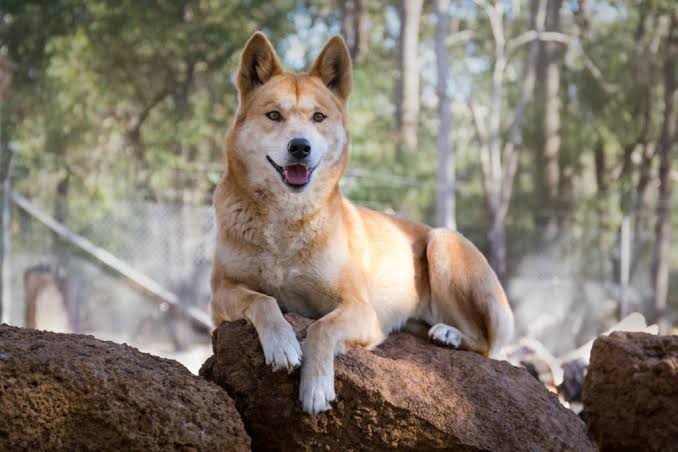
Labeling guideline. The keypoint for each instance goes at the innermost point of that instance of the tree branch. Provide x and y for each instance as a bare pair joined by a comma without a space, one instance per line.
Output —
512,147
582,17
460,37
478,123
146,110
494,14
597,74
481,133
529,36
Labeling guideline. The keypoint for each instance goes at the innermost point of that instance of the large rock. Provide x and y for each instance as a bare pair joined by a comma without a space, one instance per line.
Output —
73,392
631,392
406,394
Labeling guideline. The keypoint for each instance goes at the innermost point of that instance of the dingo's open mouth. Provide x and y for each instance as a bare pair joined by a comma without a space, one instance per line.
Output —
296,175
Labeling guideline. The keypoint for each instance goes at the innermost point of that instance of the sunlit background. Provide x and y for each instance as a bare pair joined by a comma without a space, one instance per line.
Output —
557,128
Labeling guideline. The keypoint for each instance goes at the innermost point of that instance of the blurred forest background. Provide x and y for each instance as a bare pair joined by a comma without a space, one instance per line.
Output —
543,130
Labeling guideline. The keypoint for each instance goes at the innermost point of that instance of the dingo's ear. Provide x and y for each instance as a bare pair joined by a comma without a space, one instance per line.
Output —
333,67
258,63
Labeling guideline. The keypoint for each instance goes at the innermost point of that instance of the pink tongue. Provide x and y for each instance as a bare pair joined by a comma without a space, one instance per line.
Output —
296,174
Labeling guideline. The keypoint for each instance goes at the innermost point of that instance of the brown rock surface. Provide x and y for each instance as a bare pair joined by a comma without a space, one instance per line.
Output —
73,392
631,392
406,394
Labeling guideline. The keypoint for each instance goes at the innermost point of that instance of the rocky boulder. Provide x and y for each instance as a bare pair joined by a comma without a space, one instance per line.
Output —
73,392
631,392
406,394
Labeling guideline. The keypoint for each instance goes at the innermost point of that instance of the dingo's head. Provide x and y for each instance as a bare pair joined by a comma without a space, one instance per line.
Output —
289,139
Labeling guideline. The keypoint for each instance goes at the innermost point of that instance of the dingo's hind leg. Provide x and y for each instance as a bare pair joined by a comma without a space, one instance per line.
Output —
468,307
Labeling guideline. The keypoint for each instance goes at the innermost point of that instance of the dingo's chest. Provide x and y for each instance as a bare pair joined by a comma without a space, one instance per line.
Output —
300,282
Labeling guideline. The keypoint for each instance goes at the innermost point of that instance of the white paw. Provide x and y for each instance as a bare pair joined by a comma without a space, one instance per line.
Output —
281,347
445,335
316,393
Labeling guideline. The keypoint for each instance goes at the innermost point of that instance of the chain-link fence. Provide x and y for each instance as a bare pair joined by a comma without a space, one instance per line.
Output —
566,284
57,284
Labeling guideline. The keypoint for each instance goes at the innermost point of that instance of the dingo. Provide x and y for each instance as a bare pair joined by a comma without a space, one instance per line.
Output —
288,239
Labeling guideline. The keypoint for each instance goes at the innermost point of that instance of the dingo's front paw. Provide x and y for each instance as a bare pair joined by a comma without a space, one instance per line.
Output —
316,393
281,347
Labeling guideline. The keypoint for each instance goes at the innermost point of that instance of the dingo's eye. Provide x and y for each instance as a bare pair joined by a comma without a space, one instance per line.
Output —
318,117
274,115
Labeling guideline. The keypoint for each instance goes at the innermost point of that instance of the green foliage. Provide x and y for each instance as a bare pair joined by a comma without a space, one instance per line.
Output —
131,99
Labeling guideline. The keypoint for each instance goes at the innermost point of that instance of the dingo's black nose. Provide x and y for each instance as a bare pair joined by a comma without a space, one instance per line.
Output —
299,147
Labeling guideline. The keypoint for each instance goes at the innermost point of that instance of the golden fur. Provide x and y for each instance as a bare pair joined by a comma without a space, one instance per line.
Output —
361,273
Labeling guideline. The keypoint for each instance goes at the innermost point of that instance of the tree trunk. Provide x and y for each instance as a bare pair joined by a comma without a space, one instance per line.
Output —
499,155
347,22
353,27
135,140
359,49
600,162
646,47
633,199
44,301
660,261
407,105
445,180
496,237
552,54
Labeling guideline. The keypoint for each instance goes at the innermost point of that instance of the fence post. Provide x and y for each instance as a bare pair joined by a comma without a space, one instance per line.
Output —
624,264
6,165
5,247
